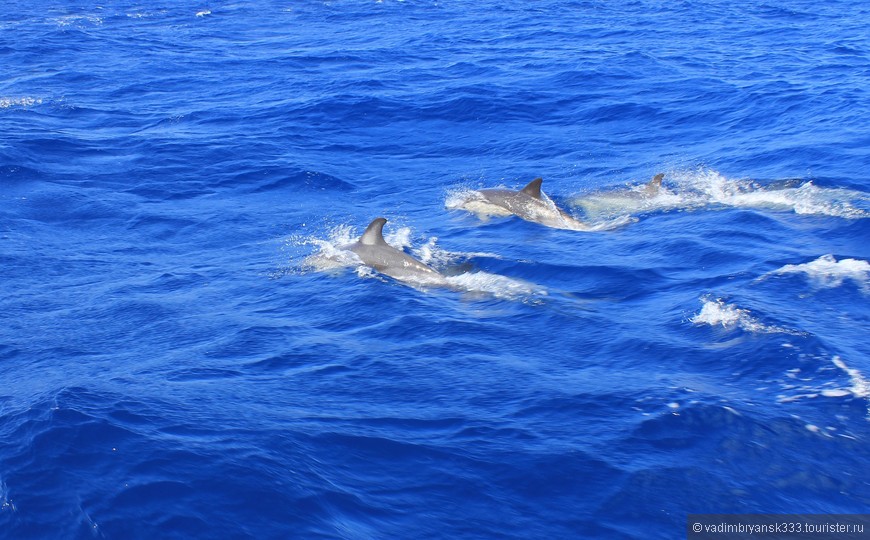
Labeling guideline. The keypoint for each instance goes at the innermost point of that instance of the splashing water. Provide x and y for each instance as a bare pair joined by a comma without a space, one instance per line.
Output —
329,255
827,272
704,187
860,386
502,287
729,316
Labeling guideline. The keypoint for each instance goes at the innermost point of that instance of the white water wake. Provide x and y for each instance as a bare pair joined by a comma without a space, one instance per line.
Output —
700,188
827,272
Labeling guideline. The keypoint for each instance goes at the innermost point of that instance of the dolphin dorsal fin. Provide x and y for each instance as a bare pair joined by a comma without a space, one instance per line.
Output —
652,187
656,182
374,234
533,189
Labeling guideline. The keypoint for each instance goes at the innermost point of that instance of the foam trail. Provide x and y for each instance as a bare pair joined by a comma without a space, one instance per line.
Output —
7,102
703,187
805,198
827,272
431,254
476,282
860,386
495,285
718,313
78,20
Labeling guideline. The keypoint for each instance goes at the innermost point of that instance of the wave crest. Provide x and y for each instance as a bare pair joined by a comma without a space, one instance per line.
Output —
718,313
828,272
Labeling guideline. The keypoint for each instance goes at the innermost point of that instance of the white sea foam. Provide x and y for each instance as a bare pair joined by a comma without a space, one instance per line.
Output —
702,187
795,196
77,20
432,254
398,238
7,102
718,313
495,285
860,386
828,272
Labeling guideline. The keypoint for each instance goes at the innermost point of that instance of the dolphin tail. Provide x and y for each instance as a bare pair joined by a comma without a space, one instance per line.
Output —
374,234
533,189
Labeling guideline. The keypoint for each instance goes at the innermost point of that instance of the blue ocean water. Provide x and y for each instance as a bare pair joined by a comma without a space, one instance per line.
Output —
185,353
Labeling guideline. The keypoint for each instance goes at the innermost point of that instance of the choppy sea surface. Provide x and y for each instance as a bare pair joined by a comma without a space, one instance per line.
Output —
187,351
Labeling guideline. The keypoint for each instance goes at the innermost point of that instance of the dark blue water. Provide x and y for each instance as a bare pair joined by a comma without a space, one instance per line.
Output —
178,360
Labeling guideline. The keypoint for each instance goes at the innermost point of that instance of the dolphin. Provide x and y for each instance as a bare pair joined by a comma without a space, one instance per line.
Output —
642,197
375,252
528,203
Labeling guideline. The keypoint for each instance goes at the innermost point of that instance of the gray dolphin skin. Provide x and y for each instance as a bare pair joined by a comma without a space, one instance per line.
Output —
375,252
529,204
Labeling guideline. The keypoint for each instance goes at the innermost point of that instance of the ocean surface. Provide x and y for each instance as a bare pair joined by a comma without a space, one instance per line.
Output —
188,351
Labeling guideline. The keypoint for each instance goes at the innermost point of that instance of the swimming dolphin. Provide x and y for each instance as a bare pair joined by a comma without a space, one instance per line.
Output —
528,203
375,252
637,198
